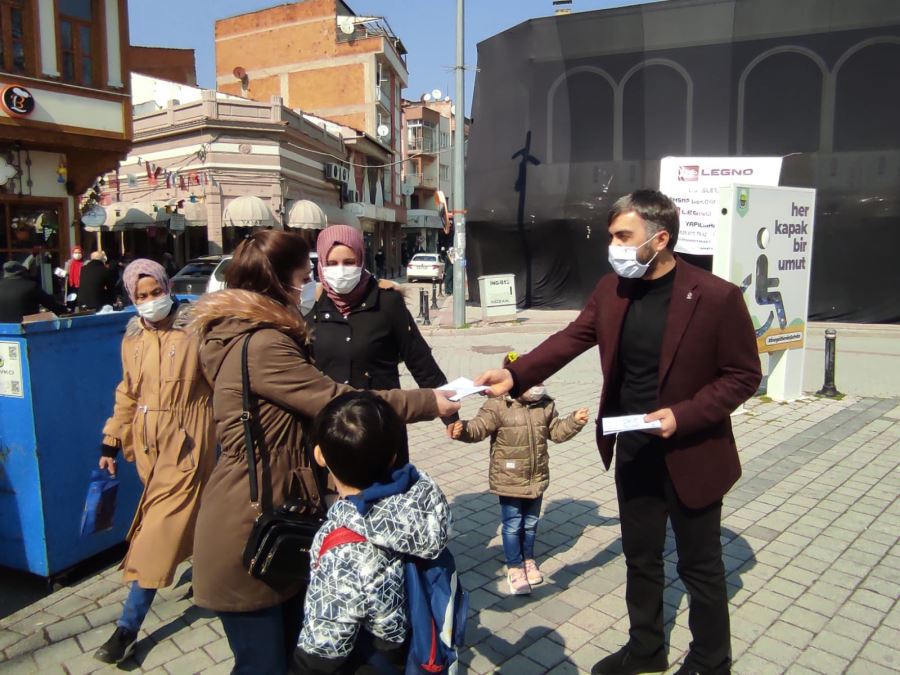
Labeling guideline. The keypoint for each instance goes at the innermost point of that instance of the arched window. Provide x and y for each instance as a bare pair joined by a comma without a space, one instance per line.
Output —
581,117
867,99
655,105
782,99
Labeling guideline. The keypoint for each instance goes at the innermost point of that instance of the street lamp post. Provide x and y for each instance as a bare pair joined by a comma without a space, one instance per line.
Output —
459,175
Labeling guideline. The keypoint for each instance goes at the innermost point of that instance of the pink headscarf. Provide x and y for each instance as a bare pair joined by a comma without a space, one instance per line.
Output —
337,235
142,267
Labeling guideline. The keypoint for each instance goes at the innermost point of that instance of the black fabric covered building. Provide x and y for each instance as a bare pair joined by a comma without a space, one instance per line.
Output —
571,112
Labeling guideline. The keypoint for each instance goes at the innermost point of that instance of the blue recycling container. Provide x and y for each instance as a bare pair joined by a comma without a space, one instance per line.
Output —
57,384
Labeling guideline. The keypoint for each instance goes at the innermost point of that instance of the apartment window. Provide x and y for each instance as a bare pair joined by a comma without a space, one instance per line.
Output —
13,35
77,41
445,172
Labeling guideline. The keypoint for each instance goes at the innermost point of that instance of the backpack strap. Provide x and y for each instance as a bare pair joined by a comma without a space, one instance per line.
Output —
339,537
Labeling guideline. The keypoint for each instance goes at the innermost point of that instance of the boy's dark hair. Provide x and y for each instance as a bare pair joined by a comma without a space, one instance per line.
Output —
360,436
654,208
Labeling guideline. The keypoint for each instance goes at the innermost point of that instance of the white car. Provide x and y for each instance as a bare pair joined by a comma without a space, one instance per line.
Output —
425,266
217,278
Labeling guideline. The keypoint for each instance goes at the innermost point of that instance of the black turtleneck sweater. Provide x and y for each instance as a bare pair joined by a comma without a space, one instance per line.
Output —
638,360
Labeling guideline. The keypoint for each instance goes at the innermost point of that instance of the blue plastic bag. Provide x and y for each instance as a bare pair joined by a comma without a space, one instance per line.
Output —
100,504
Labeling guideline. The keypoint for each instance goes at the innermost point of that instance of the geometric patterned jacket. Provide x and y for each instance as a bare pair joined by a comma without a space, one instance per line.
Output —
361,585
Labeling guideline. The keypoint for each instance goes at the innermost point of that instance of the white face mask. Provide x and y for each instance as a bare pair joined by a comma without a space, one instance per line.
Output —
76,256
155,310
624,262
535,394
307,296
341,278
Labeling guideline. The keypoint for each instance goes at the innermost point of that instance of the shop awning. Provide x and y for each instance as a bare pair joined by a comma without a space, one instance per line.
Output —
339,216
306,215
249,211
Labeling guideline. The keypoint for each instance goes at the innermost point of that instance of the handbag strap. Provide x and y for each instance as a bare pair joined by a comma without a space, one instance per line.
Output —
246,418
250,442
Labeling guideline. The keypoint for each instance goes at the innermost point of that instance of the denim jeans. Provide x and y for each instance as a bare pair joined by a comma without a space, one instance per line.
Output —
263,641
520,519
137,604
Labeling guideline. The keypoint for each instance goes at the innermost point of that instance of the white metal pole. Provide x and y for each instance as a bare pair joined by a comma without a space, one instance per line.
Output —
459,174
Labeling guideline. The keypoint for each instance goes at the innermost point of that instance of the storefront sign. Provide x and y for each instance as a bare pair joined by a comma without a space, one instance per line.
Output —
17,101
176,222
693,184
765,247
11,370
94,216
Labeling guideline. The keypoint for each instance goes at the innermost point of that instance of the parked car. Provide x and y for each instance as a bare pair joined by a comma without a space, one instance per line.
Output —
217,279
192,279
425,266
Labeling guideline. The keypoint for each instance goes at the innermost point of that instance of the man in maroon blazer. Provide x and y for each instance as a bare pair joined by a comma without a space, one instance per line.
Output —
676,345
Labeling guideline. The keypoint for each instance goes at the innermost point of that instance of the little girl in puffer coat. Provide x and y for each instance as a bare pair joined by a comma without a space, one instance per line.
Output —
520,468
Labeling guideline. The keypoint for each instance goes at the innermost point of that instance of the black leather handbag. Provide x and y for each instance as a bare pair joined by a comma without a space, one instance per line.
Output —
277,551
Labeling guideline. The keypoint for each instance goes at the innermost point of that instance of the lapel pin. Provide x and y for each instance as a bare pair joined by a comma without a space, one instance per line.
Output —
690,295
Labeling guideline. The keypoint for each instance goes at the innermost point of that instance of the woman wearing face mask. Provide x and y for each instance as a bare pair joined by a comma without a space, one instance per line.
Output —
73,275
520,430
363,329
267,279
162,421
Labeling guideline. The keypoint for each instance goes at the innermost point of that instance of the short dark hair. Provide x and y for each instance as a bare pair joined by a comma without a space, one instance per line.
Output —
654,208
360,436
265,262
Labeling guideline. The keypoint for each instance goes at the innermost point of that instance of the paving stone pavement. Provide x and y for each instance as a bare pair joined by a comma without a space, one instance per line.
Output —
810,536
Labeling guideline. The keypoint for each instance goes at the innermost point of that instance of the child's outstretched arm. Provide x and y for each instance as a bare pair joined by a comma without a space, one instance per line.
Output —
478,428
562,430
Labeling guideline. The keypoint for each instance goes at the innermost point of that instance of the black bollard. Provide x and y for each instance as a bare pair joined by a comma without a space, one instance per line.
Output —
434,293
421,303
427,320
828,389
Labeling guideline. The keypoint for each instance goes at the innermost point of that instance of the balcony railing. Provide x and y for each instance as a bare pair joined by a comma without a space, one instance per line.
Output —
421,145
374,29
422,180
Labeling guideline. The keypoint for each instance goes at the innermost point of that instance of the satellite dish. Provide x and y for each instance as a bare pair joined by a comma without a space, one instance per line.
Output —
452,109
436,94
426,98
241,74
447,99
345,23
383,130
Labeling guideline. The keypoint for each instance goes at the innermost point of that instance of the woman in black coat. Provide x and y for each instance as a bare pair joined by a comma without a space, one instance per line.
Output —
362,328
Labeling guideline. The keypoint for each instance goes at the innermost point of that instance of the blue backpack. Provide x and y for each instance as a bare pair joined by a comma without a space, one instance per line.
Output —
436,605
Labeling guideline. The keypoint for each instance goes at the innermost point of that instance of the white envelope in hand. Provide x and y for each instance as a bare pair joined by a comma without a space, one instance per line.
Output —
463,387
617,425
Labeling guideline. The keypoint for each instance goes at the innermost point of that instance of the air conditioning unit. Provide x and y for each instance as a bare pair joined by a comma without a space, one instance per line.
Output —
337,173
353,196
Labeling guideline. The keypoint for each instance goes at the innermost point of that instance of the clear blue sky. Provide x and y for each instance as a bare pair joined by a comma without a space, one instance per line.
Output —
427,28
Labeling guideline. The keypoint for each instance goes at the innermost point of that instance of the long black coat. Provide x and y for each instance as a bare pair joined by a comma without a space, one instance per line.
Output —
365,349
97,286
21,296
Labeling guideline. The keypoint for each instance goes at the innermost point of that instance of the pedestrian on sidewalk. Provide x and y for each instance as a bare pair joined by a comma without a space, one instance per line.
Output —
267,281
363,329
97,283
21,296
162,421
677,347
73,276
519,473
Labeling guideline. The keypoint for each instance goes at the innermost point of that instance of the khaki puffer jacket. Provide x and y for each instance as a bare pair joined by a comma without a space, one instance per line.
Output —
520,463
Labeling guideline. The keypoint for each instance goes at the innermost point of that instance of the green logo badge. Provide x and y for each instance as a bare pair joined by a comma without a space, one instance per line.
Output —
743,201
